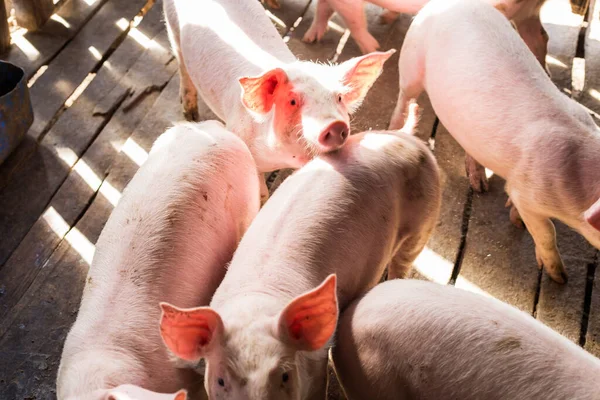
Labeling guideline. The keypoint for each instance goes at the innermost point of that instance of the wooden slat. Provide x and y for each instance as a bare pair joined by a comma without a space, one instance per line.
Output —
31,337
48,41
591,99
33,14
75,193
29,187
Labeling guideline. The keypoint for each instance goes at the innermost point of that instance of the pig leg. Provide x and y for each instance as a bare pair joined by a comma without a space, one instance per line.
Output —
264,189
476,174
388,17
514,215
535,37
354,16
274,4
188,94
411,85
543,232
409,250
319,24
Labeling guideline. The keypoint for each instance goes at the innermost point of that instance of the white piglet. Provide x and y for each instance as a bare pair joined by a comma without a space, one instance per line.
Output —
286,110
350,213
496,100
411,339
169,238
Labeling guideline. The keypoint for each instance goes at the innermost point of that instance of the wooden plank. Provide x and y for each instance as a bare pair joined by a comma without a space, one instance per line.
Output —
28,188
51,90
591,99
82,182
4,32
33,14
31,337
38,48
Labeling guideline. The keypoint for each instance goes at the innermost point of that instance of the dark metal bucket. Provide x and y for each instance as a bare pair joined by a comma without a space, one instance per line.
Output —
16,113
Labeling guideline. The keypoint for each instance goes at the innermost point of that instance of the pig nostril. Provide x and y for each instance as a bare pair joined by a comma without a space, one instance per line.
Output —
344,135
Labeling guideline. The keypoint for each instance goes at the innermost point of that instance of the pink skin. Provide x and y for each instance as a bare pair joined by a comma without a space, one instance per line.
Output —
230,53
383,186
169,238
548,155
525,14
410,339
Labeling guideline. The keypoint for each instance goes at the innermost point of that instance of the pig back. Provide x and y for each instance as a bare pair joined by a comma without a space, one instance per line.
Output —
410,339
342,213
169,239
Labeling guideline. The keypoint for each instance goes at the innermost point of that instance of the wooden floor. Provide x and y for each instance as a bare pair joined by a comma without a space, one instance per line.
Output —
104,87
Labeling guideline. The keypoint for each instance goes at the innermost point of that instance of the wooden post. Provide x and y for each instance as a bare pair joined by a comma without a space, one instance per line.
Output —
4,32
33,14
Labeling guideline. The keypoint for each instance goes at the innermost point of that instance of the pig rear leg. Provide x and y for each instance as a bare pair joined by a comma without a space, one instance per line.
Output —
411,247
188,94
543,232
319,24
354,16
476,174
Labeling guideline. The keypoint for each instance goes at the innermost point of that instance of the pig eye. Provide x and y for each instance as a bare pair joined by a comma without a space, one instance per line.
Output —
221,382
285,377
293,102
339,98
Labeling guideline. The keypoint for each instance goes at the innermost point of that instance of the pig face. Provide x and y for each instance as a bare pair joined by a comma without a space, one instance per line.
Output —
254,356
308,104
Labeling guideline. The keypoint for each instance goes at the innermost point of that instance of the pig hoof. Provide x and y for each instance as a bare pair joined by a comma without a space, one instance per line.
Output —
310,36
479,182
368,45
388,17
274,4
191,114
554,268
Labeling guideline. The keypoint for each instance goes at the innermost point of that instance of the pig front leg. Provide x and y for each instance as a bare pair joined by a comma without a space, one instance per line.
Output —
543,232
514,216
476,174
353,13
319,24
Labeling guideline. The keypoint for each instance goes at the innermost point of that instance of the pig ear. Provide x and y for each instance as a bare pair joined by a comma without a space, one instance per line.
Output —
360,74
309,320
189,333
592,215
258,93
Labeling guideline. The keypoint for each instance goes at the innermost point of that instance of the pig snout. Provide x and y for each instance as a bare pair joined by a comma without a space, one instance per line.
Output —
334,136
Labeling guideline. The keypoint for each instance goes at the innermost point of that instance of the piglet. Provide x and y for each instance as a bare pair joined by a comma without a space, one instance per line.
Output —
411,339
524,13
169,238
335,223
501,107
287,111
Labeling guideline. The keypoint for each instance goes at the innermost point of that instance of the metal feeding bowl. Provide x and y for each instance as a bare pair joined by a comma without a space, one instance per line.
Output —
16,113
